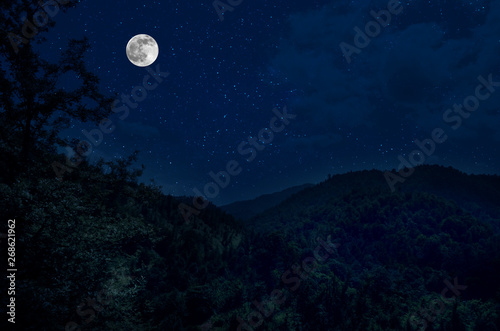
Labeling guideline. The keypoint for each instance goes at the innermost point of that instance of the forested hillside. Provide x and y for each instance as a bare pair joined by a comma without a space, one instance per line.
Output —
101,251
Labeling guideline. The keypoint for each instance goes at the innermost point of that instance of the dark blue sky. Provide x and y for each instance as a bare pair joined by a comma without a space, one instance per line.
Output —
225,78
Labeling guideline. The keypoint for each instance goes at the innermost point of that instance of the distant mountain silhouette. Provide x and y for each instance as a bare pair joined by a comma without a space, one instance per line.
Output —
249,208
475,194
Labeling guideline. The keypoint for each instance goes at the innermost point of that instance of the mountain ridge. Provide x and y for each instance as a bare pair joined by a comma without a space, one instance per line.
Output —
246,209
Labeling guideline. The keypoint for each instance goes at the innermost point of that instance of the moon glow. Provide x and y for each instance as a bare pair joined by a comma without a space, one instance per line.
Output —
142,50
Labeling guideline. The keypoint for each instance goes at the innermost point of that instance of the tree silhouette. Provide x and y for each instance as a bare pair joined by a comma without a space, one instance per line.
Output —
34,106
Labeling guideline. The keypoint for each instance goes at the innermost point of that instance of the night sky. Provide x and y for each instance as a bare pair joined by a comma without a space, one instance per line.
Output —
352,113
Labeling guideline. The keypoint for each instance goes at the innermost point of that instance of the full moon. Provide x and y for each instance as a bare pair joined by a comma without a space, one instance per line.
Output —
142,50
